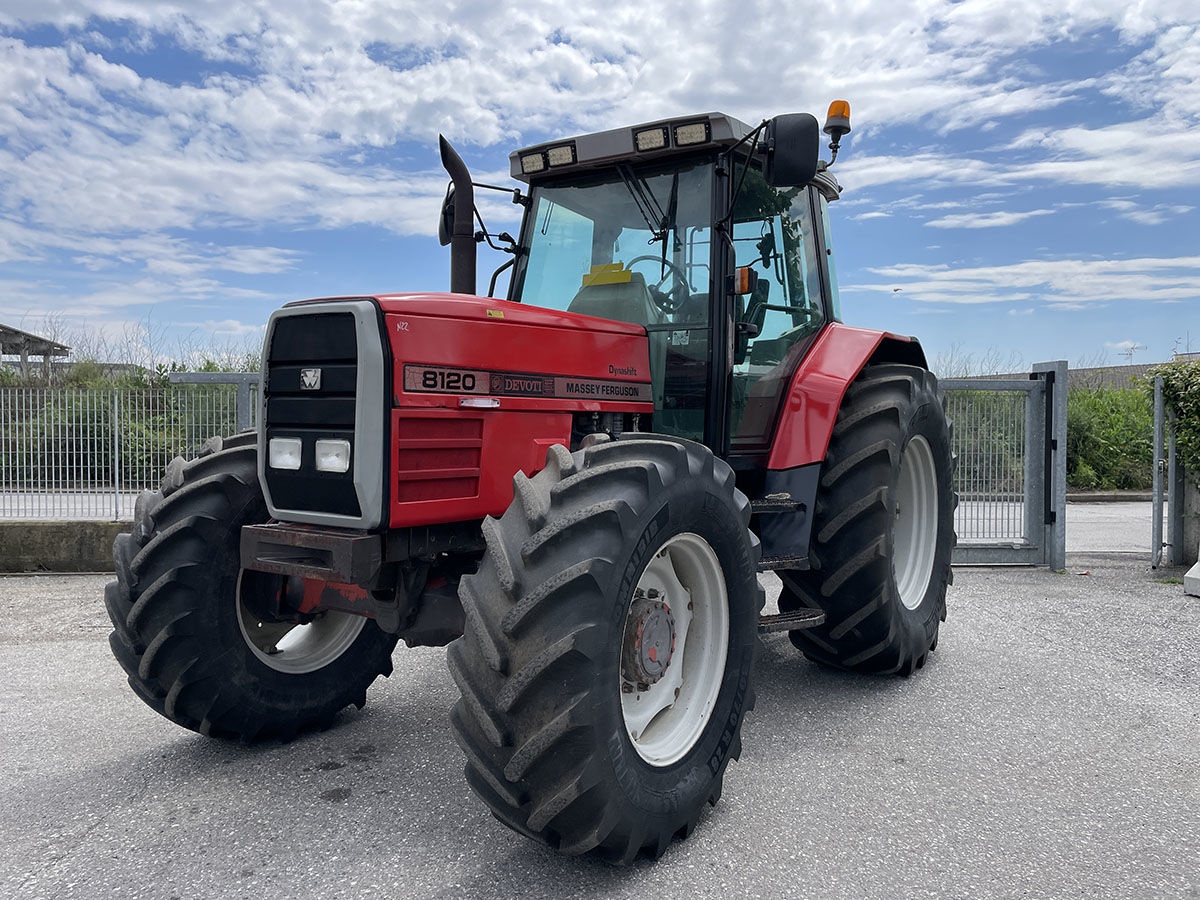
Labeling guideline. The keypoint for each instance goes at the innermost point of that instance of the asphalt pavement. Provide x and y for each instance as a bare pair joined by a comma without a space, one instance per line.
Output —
1051,748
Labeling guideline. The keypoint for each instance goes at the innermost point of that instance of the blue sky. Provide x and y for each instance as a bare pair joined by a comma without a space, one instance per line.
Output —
1022,183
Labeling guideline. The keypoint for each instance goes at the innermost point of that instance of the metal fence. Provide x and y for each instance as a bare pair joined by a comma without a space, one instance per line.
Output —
989,441
87,454
1010,439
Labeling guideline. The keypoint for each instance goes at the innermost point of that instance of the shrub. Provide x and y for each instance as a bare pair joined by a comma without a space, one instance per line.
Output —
1109,437
1181,391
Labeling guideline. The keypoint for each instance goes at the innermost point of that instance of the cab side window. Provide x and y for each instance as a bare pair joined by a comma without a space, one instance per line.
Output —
773,234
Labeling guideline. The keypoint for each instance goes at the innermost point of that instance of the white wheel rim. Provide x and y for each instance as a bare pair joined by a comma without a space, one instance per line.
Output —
664,720
916,523
298,649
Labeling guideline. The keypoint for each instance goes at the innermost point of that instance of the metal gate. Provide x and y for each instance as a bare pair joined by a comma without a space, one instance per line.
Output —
1010,437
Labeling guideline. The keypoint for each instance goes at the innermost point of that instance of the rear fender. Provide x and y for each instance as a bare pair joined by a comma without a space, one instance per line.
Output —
805,426
820,382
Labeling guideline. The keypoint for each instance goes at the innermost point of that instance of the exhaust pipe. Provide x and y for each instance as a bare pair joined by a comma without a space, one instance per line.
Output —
462,233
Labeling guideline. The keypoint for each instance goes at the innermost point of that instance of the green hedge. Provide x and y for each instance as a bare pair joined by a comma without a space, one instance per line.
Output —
1181,391
66,436
1109,439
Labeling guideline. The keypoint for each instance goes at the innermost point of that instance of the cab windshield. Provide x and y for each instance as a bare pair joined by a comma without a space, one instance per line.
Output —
630,244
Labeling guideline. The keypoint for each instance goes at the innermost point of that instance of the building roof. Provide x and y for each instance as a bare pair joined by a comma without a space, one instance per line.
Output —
1113,377
15,342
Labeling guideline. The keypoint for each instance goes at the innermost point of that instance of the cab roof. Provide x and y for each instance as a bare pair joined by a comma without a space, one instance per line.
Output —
650,140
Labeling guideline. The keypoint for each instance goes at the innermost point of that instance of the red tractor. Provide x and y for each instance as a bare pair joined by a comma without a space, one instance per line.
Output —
575,487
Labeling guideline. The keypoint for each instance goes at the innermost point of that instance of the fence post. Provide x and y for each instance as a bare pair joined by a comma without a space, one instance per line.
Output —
1175,495
243,405
1055,374
1156,475
1037,476
116,455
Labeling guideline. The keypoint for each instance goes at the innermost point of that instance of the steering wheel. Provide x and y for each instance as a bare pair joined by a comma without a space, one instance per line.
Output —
667,301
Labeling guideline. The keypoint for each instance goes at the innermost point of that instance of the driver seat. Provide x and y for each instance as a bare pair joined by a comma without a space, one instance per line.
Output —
614,292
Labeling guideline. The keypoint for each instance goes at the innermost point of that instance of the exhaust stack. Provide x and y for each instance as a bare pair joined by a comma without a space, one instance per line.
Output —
462,232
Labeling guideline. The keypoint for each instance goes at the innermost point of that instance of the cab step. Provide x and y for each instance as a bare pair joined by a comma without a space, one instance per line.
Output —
775,503
791,621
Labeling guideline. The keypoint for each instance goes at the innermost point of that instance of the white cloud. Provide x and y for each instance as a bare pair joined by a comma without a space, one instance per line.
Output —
231,327
1154,215
987,220
1064,283
1144,154
322,115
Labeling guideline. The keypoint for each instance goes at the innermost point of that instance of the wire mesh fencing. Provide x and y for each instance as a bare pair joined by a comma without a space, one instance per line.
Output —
87,453
1010,436
990,441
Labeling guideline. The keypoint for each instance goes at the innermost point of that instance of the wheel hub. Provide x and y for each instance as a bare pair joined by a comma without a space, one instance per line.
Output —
649,640
674,649
297,645
916,522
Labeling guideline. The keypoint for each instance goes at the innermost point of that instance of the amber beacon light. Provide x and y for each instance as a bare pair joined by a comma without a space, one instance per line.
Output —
837,125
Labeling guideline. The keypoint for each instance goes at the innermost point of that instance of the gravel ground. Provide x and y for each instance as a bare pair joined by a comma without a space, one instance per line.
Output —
1050,749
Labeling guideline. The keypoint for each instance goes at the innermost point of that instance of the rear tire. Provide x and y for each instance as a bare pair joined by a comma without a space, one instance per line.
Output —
185,626
610,633
883,529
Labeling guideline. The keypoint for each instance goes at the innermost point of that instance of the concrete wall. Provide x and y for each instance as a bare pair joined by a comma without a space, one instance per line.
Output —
57,546
1191,519
64,546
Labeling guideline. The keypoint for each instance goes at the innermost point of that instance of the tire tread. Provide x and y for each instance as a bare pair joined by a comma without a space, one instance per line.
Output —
851,569
164,604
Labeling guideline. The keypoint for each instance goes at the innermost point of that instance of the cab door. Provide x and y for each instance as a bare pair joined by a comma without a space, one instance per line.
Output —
776,233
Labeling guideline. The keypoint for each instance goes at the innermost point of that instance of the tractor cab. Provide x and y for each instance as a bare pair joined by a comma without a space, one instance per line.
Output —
707,232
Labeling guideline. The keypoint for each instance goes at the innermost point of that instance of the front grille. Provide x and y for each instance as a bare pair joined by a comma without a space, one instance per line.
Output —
321,363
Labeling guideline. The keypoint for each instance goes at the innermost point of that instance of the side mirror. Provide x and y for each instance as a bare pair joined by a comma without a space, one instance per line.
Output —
793,145
446,221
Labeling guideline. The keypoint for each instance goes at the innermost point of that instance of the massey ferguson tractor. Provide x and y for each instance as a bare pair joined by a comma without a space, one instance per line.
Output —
576,487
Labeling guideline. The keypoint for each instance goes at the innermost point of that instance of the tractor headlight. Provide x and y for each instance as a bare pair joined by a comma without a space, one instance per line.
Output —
532,162
333,456
694,133
650,139
284,453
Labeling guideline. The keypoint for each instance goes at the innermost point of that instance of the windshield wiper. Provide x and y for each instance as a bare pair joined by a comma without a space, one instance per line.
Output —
646,203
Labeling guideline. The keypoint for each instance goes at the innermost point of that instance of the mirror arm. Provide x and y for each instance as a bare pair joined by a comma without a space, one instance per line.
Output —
751,137
495,275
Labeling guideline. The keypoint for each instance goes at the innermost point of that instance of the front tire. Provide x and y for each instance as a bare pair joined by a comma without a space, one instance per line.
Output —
193,630
610,633
883,530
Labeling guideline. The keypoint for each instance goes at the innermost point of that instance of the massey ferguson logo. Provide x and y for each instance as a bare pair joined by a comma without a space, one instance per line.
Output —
310,379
